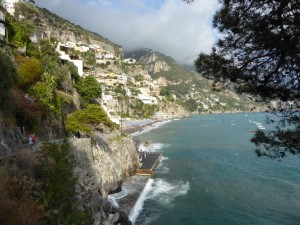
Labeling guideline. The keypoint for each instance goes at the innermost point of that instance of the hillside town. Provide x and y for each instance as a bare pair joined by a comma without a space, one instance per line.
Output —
121,76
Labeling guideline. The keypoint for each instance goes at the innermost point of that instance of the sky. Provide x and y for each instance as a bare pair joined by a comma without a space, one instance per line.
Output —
171,27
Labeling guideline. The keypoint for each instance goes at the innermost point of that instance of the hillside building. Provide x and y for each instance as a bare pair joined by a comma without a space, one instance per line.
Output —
9,5
64,50
146,99
2,24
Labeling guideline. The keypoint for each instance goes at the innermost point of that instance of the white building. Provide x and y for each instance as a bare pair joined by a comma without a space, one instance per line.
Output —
9,5
149,100
2,26
64,56
129,61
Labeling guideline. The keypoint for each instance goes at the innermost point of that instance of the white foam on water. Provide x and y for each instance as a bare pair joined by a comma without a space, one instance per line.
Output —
112,201
140,202
162,167
152,147
161,191
165,192
112,198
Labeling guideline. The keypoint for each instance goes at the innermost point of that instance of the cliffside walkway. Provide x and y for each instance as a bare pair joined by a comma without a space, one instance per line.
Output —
148,161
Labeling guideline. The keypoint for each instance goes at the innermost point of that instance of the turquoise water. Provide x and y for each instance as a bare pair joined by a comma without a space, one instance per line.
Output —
210,175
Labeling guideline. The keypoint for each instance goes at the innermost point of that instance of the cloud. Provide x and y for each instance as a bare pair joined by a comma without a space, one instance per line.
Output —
172,27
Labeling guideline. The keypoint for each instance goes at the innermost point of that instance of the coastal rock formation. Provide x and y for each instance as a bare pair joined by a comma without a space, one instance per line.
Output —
103,163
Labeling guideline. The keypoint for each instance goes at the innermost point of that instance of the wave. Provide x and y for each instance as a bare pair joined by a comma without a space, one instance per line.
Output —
162,168
161,191
140,202
112,198
152,147
165,192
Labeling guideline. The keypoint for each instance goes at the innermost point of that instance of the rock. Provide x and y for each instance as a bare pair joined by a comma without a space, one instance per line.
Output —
95,203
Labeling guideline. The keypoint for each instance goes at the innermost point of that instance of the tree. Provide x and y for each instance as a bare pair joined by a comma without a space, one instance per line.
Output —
44,91
88,119
89,89
8,75
29,71
260,50
22,30
73,71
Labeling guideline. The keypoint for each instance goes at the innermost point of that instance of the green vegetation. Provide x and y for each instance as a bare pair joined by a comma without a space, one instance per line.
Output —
259,51
44,91
40,188
87,120
190,105
9,75
22,30
27,112
89,57
29,71
119,90
58,192
143,110
89,89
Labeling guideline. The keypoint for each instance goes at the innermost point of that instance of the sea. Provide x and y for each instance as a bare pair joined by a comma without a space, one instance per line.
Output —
209,174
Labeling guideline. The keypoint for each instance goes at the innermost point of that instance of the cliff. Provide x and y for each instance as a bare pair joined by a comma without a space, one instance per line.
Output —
102,165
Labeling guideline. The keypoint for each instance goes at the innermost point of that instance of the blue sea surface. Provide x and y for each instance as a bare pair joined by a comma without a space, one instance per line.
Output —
209,174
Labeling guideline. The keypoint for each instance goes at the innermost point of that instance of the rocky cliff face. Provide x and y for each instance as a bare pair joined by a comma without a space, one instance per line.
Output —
52,26
103,163
154,65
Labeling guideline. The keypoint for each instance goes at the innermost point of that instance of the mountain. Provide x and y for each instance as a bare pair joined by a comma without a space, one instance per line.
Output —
190,87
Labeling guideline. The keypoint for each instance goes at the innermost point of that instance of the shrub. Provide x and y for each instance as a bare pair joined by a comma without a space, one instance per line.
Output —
59,187
29,71
89,89
8,77
88,119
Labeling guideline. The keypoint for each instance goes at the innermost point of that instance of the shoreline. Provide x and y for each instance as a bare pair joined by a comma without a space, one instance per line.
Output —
134,186
129,202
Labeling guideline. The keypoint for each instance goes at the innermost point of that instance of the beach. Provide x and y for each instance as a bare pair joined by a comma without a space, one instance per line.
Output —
133,126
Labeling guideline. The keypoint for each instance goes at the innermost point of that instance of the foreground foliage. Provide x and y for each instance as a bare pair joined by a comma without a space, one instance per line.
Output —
58,192
40,188
9,75
259,50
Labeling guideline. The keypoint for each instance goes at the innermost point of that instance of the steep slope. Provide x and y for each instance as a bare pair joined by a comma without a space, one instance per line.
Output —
191,89
53,26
